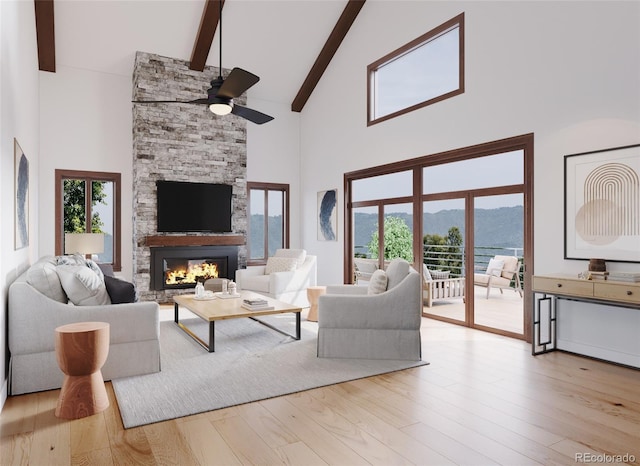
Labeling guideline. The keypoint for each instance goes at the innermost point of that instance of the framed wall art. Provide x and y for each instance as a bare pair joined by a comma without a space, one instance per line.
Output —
21,183
327,215
602,205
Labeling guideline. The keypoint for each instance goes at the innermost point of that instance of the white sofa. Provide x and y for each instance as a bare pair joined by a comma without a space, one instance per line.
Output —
288,285
379,321
34,314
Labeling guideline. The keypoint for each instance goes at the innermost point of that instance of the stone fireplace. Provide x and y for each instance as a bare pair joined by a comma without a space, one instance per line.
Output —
182,142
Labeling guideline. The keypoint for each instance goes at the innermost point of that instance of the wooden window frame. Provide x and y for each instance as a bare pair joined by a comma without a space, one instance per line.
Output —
88,177
373,67
266,187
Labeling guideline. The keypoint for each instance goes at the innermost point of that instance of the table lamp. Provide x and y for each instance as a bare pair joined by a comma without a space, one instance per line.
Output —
84,243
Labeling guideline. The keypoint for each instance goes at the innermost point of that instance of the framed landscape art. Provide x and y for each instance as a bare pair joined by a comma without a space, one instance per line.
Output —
602,204
21,182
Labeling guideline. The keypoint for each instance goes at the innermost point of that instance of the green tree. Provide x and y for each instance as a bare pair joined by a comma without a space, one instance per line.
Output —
75,208
444,253
398,241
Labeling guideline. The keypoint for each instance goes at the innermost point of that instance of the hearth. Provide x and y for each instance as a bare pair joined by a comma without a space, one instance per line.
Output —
177,267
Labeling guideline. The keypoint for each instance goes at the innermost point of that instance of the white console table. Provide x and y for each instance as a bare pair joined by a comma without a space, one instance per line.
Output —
549,289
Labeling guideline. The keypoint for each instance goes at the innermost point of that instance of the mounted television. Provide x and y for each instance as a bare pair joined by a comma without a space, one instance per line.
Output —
186,207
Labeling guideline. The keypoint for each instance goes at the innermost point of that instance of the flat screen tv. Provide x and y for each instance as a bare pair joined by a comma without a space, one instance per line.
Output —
186,207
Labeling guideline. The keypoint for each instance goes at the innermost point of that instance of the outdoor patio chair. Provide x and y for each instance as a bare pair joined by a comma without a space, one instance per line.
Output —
501,270
437,284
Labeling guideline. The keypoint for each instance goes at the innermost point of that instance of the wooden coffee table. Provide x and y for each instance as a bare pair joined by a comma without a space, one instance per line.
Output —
230,308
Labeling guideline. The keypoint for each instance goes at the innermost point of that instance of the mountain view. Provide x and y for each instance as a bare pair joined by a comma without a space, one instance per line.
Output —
501,227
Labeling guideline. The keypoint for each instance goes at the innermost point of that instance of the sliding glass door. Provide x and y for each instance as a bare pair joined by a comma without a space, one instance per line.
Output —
467,214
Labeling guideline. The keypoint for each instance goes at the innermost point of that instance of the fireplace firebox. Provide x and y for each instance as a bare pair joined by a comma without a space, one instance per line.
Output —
183,266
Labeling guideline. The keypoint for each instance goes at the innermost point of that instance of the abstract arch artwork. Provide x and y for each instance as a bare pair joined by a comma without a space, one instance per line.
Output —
602,204
327,215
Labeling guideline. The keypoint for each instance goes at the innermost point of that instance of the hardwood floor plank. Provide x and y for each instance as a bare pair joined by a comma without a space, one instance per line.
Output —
14,449
385,412
93,457
316,437
88,433
270,429
358,439
167,445
556,422
395,438
454,450
299,453
18,415
454,427
51,437
206,443
128,446
518,426
465,415
245,442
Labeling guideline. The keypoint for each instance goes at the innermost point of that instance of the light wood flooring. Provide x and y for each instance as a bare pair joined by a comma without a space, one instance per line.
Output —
483,400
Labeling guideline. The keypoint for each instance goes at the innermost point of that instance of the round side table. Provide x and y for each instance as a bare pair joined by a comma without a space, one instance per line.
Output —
313,293
82,349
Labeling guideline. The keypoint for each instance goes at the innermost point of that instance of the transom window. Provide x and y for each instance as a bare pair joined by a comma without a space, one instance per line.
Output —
424,71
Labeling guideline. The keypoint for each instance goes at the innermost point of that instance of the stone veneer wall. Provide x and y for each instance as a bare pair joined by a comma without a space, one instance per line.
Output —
180,142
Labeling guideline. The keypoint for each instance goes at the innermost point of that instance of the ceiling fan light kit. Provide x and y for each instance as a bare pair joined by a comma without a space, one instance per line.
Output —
221,109
222,92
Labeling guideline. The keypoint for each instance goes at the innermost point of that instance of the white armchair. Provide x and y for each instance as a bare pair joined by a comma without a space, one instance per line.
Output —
285,277
380,321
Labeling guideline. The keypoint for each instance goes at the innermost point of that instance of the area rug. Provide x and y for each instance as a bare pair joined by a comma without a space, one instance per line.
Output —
251,363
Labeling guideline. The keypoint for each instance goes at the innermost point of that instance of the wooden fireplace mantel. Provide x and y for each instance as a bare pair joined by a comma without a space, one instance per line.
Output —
213,240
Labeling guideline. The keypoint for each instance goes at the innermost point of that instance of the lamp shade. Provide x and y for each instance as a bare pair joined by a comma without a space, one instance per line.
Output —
83,243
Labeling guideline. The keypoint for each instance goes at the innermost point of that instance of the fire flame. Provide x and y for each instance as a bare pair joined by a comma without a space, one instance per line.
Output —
191,274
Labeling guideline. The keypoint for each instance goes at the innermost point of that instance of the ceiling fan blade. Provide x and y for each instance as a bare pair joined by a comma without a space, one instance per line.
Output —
251,115
197,101
237,82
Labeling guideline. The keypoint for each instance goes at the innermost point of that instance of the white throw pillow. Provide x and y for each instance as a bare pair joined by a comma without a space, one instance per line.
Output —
426,274
377,282
495,267
299,254
82,285
280,264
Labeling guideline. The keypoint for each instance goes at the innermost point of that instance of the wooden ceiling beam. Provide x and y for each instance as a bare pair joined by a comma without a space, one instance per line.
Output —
330,48
45,35
208,25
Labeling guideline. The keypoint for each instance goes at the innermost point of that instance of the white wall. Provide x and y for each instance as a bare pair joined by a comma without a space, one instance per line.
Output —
566,71
273,156
19,120
85,125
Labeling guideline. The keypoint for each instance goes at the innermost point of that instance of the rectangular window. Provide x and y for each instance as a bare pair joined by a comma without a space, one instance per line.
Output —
426,70
89,202
268,220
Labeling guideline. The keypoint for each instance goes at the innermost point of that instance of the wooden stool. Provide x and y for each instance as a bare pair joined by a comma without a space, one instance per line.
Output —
82,349
313,293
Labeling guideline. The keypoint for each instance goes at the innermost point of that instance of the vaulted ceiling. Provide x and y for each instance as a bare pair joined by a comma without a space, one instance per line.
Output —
289,44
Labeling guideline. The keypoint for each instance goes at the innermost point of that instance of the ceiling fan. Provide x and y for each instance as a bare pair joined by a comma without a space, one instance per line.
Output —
222,92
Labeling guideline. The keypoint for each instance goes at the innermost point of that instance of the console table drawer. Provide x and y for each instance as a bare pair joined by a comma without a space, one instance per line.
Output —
563,286
628,293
